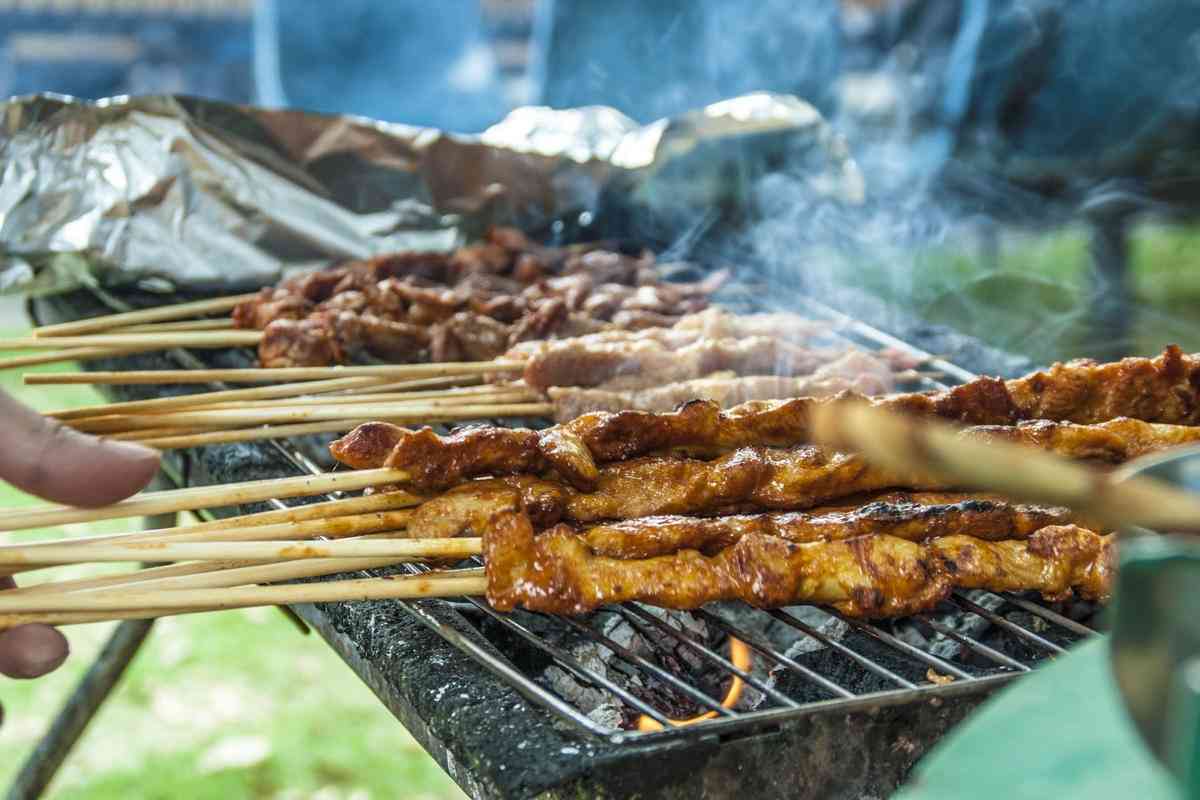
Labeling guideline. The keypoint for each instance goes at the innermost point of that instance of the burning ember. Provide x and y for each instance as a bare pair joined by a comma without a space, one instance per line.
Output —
739,656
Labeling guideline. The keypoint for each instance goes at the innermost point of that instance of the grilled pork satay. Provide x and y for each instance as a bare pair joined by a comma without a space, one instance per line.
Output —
712,323
868,576
911,516
856,371
645,363
699,429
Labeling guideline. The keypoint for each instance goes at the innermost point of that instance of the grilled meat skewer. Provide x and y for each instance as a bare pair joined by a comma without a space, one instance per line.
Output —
868,576
905,515
573,451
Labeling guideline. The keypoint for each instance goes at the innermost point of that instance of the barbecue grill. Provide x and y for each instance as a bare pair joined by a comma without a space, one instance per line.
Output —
520,705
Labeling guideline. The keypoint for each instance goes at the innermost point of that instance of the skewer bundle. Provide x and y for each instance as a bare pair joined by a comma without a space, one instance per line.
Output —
680,509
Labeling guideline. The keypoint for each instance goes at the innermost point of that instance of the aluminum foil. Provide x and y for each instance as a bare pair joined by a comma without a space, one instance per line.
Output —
176,192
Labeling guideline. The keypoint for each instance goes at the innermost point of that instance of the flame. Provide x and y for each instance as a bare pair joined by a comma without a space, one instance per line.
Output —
739,655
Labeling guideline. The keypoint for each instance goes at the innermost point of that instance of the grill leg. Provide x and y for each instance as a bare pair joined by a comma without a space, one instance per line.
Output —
91,692
79,709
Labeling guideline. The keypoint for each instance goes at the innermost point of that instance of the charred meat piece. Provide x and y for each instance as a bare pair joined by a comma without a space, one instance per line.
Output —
702,429
269,305
855,372
914,516
309,342
468,337
867,576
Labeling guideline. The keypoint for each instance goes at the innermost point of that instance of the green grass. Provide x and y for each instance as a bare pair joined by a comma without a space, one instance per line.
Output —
225,706
1033,298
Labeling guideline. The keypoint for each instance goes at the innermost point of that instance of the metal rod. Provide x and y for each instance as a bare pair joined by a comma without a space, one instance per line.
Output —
973,645
855,656
650,667
920,655
1049,615
631,610
991,616
566,661
776,656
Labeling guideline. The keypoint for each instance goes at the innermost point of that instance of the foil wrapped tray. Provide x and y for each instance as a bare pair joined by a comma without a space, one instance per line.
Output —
175,192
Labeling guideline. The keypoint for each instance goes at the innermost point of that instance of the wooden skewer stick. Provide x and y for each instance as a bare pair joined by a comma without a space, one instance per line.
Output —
139,435
202,497
445,584
425,411
160,341
72,354
220,324
312,519
194,308
275,374
906,444
158,404
183,438
400,549
477,394
159,573
332,528
206,575
83,617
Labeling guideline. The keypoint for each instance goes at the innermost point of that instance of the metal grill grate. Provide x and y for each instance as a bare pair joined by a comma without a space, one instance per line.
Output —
1042,633
1053,630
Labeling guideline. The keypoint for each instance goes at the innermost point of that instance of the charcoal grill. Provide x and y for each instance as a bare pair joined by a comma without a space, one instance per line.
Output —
845,715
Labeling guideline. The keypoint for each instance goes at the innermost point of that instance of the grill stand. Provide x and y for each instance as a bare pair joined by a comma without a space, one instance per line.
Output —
499,734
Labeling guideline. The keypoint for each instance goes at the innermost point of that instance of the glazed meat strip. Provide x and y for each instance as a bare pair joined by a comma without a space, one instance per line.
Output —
712,323
856,372
648,363
749,479
911,516
868,576
573,450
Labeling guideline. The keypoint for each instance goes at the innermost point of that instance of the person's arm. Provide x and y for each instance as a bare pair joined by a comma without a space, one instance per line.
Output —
47,459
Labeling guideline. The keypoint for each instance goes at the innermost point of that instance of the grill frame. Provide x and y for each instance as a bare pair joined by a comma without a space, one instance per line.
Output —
939,706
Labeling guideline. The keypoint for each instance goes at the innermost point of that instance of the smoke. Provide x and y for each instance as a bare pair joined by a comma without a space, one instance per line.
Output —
991,134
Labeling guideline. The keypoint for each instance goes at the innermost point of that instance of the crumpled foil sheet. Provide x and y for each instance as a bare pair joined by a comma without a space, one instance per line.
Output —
176,192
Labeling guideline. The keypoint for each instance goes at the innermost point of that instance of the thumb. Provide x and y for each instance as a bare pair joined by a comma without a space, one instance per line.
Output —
43,457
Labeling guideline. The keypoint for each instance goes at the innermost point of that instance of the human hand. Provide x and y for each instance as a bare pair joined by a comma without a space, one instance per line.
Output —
45,458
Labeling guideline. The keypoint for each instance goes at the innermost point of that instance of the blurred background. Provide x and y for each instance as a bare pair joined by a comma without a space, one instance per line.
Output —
1032,177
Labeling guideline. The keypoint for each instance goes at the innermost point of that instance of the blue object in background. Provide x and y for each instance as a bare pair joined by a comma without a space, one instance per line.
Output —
407,61
94,54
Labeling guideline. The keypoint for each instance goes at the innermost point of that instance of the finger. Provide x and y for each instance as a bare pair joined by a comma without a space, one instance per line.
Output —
45,458
30,651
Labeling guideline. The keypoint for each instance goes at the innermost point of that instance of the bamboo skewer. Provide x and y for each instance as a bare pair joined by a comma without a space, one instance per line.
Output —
338,527
275,374
82,617
220,324
227,395
363,547
332,514
284,409
445,584
417,411
474,395
905,444
177,311
72,354
179,439
159,341
203,497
